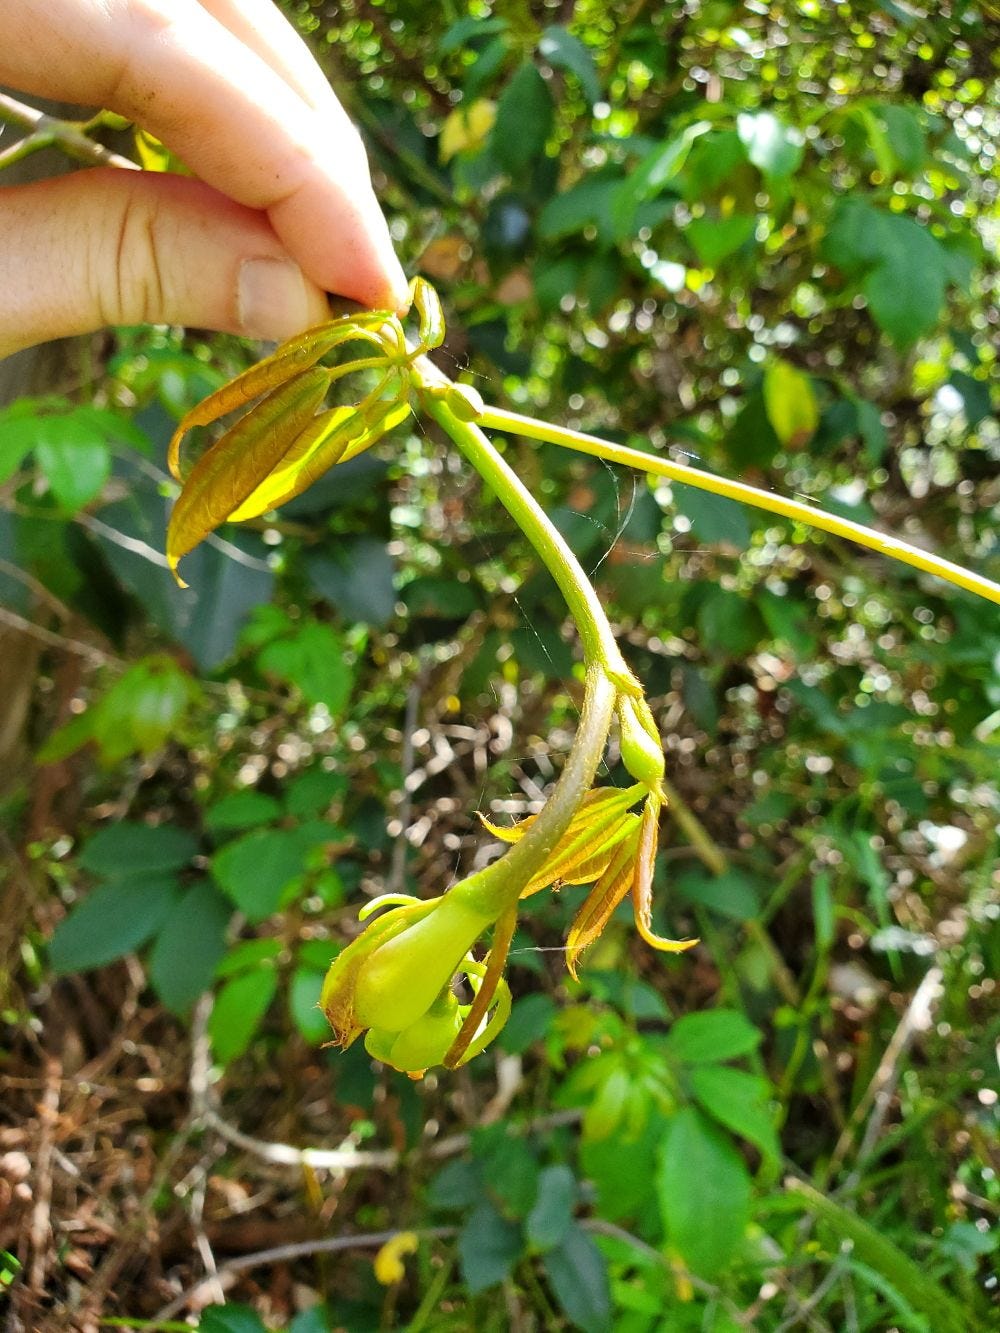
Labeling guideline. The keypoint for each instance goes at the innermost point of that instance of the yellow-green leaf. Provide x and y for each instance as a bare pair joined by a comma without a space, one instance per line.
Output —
790,404
335,435
234,466
600,903
466,128
290,359
642,884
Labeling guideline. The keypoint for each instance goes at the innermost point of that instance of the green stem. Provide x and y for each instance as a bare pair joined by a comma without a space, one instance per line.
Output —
497,419
500,885
67,135
598,639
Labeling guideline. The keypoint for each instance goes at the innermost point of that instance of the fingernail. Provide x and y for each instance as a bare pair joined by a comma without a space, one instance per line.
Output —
272,299
397,282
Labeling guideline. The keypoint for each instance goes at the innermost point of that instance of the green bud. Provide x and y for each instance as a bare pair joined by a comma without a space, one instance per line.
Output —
642,750
399,981
337,998
424,1043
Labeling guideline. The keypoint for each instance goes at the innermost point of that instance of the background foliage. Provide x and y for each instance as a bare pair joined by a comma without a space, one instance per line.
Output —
760,236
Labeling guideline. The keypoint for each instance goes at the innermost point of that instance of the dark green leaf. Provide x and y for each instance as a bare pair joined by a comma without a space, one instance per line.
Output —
188,948
74,456
704,1191
906,291
457,1185
579,1277
564,51
731,894
624,1175
357,579
656,172
303,1002
751,441
715,239
230,1319
427,596
789,622
531,1019
904,270
313,660
713,518
524,119
904,136
249,954
488,1248
241,810
711,1036
126,850
313,1320
728,623
111,921
542,648
977,403
554,279
586,204
552,1212
257,868
512,1172
312,793
467,30
228,580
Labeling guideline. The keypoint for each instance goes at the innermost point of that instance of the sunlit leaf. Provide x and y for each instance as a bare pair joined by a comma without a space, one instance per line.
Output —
790,403
230,471
329,439
600,904
292,358
642,884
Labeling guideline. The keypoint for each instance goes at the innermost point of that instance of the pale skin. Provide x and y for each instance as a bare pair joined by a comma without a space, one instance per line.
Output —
282,211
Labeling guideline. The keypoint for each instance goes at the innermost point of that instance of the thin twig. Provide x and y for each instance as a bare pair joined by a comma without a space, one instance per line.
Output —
54,640
41,1223
397,870
353,1159
880,1091
284,1253
37,587
52,132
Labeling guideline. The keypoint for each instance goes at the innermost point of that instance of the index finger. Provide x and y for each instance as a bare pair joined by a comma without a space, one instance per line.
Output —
173,67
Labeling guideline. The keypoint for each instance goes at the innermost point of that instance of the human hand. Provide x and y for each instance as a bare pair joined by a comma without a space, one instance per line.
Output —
283,210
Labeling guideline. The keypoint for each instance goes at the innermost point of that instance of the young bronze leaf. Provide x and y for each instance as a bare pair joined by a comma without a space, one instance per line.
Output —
593,805
585,857
642,885
334,435
290,359
237,463
600,902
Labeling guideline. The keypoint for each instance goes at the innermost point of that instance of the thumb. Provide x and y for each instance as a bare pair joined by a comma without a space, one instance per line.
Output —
120,247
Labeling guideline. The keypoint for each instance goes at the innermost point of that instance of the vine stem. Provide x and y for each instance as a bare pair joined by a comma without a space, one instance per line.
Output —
599,642
495,418
498,886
